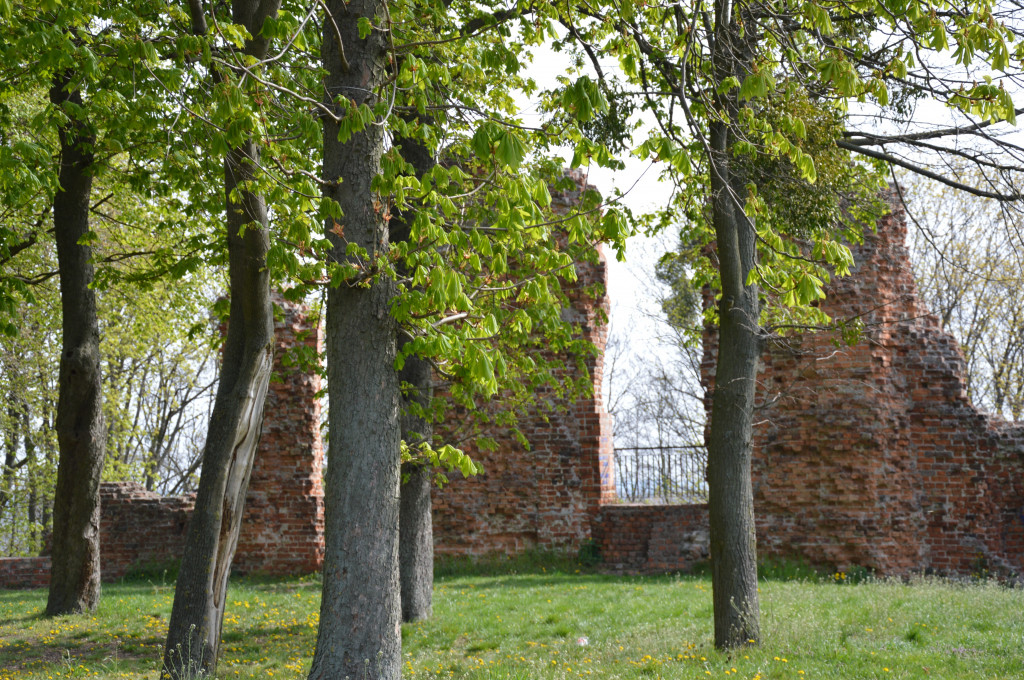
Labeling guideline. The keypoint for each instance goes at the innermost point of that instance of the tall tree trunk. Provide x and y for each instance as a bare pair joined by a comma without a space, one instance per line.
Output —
30,481
416,534
197,616
730,443
416,530
359,635
81,436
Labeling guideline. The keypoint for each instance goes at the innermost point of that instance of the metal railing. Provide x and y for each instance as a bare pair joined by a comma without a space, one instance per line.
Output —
662,474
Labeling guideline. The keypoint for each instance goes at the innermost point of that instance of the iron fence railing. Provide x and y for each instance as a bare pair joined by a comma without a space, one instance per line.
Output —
661,474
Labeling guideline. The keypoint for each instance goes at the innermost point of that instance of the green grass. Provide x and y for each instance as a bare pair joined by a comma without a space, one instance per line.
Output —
530,626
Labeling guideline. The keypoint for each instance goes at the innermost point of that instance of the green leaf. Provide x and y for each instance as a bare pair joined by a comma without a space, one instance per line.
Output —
365,28
510,149
728,84
481,141
757,84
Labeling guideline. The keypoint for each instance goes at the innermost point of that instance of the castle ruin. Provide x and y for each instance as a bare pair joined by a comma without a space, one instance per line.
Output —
867,455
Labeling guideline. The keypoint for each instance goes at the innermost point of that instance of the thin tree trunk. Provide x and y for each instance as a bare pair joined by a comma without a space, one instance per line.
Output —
30,480
11,437
81,436
730,442
416,534
359,635
416,531
200,595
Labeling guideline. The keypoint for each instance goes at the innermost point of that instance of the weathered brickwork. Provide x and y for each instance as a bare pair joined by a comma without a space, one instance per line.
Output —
140,529
545,497
872,455
866,455
19,573
651,538
282,530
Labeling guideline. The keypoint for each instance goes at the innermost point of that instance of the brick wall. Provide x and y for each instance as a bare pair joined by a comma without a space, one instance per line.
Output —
18,573
872,455
651,538
868,455
140,529
282,530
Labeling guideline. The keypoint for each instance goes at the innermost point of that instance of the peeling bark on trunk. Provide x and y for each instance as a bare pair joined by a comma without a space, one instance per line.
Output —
730,441
197,616
359,635
81,435
193,638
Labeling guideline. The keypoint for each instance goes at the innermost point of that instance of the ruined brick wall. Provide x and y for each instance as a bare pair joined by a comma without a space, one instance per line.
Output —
19,573
651,538
140,529
282,530
867,455
545,497
872,455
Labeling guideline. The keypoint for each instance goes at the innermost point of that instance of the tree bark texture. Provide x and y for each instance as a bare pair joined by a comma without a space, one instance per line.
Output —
416,533
81,435
416,544
197,615
730,443
359,635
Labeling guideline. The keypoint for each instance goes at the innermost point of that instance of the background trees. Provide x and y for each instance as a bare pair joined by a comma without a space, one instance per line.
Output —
967,263
135,230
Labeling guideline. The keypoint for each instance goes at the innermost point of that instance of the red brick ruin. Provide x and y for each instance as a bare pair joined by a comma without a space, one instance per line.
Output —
867,455
872,455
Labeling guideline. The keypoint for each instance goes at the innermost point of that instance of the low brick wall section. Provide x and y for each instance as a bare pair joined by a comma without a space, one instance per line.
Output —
140,528
19,573
651,538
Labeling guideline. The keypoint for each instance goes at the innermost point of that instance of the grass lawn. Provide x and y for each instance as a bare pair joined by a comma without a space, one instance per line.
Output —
557,626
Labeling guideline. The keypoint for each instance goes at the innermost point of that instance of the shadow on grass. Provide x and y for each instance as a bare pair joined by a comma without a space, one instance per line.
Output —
34,653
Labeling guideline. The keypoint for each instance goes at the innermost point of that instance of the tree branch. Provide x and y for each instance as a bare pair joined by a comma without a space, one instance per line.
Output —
925,172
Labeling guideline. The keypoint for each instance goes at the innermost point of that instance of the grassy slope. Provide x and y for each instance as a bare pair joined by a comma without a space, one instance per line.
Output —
530,626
